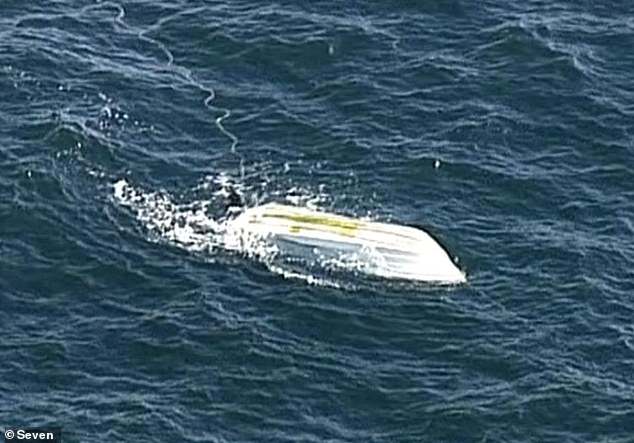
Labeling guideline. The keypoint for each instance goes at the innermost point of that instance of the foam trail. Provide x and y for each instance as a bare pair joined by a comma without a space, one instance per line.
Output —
187,226
201,227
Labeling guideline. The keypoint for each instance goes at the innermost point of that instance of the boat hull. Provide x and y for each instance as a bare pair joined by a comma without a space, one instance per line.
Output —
383,249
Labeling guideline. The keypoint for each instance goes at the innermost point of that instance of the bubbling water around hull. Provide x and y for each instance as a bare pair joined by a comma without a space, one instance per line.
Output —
295,242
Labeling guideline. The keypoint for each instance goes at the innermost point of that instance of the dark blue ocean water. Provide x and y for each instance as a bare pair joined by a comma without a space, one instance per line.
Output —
504,126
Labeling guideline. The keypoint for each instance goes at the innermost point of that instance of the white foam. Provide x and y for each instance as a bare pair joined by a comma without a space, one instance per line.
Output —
190,226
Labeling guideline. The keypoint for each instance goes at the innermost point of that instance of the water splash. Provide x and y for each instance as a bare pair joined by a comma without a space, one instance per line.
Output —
204,227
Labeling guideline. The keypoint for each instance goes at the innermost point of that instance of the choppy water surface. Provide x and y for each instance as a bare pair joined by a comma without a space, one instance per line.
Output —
505,127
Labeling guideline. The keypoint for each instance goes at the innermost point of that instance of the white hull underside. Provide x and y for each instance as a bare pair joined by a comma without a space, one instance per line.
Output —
382,249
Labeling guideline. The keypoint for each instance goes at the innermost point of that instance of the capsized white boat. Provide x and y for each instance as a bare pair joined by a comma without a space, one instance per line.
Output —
383,249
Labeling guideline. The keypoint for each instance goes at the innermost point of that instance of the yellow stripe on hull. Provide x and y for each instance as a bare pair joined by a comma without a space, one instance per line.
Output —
338,225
